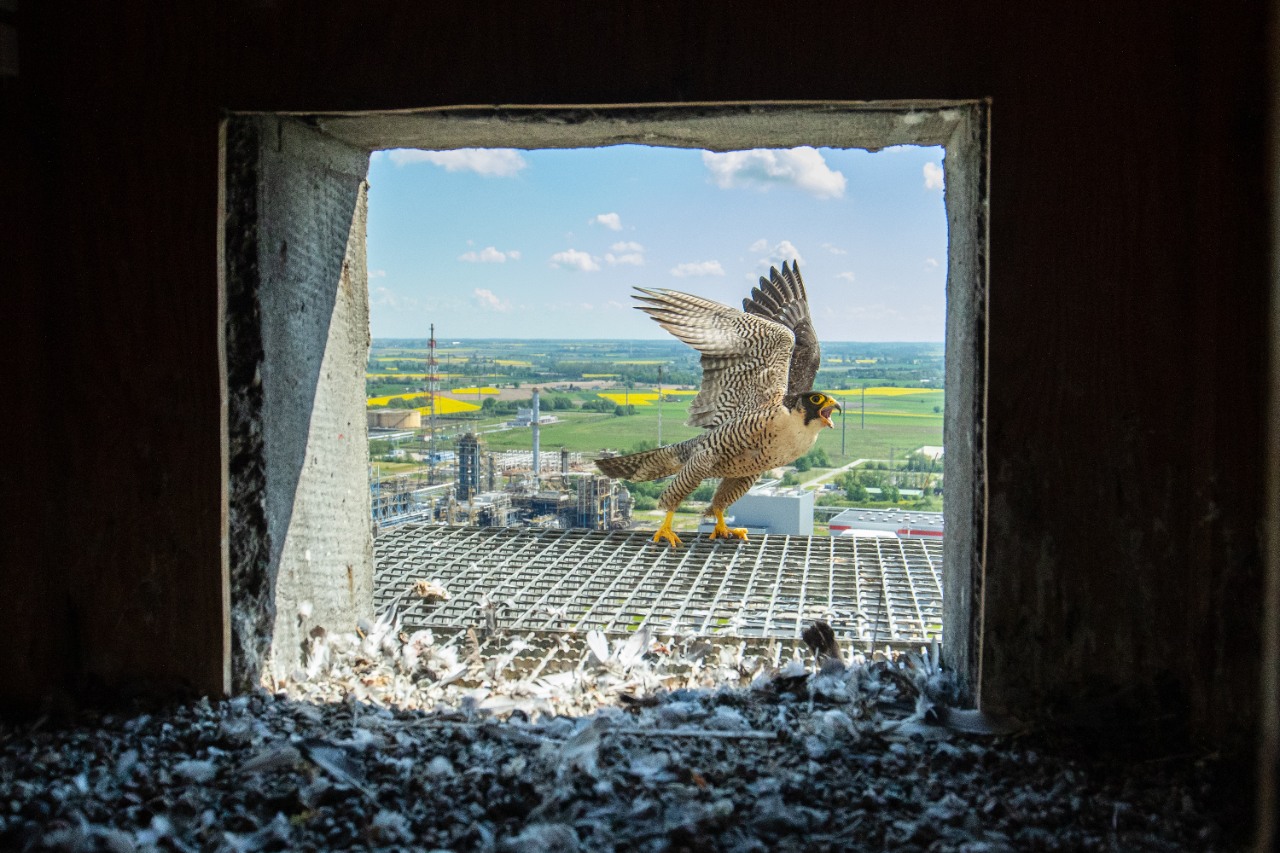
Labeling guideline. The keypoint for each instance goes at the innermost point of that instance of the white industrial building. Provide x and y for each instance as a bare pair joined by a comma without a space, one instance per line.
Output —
769,509
524,418
886,522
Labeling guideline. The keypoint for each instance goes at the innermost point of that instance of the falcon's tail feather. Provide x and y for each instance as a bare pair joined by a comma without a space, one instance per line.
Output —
645,465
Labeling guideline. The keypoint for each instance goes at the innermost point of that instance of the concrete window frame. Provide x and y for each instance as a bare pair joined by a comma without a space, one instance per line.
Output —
294,292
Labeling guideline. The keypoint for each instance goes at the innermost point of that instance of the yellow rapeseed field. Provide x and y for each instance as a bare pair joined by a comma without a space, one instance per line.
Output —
444,405
508,362
635,398
447,406
485,390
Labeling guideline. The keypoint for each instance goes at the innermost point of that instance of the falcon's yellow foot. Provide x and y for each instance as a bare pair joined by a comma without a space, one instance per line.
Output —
666,534
724,531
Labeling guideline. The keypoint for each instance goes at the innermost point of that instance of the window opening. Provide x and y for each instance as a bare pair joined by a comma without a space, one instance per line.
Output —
319,167
529,258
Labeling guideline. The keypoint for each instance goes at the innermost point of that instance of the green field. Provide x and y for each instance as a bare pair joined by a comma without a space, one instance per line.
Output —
591,431
896,424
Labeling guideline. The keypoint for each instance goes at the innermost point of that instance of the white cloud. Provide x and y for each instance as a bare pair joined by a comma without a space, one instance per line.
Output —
628,253
489,255
847,276
835,250
575,259
377,273
382,296
612,221
932,176
784,252
492,162
931,263
759,246
762,168
697,268
489,301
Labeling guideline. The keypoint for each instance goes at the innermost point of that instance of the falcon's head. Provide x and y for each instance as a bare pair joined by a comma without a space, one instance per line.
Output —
818,405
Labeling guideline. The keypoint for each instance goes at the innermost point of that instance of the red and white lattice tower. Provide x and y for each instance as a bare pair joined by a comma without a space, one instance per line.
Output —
433,383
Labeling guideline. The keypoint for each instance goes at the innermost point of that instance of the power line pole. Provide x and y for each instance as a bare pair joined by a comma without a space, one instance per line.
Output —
842,430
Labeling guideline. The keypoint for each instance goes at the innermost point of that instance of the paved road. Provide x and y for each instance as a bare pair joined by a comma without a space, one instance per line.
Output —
834,472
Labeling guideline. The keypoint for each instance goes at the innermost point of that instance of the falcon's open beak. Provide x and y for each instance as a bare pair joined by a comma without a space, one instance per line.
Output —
825,413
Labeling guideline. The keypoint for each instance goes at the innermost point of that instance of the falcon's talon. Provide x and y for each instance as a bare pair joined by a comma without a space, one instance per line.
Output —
724,531
666,534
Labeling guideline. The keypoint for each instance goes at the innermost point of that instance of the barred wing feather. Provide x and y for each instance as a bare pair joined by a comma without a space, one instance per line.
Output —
745,357
781,298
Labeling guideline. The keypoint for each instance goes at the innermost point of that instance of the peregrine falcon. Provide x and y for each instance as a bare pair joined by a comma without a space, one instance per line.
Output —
756,403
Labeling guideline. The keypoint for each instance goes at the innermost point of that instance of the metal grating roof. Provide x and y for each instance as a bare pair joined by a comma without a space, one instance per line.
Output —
766,588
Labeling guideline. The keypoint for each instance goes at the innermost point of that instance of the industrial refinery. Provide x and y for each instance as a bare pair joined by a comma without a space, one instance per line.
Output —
470,485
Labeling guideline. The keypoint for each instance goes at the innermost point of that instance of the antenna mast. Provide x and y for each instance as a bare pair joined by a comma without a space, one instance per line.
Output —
432,378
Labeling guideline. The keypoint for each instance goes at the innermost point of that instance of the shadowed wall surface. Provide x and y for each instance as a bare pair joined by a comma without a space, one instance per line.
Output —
297,339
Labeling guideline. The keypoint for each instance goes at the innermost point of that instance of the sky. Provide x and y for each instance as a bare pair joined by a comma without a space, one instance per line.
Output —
505,243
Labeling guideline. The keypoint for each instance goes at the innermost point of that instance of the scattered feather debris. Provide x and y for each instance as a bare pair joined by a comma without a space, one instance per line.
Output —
480,741
430,590
821,640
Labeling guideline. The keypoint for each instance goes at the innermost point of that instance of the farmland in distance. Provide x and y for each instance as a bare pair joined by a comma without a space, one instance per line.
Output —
605,395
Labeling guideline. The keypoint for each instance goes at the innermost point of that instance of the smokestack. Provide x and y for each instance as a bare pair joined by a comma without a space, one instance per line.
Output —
537,449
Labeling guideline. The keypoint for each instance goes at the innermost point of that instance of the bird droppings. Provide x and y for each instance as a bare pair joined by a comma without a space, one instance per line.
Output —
640,747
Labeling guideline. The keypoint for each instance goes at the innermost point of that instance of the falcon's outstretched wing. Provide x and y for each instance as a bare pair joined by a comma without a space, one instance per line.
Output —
781,298
744,357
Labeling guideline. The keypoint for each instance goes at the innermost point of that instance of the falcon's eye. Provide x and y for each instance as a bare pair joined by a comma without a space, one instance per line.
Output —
816,399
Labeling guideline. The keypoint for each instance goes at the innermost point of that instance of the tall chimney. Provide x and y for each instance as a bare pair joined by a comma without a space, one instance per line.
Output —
537,449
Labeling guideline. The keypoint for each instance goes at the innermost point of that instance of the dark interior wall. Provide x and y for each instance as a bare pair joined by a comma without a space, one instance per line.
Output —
1127,369
117,499
33,662
1127,297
